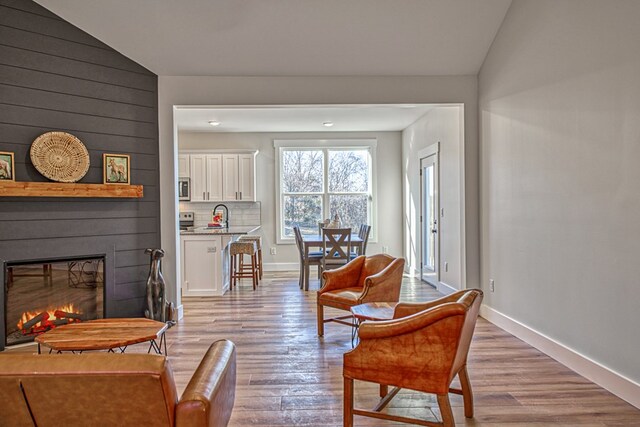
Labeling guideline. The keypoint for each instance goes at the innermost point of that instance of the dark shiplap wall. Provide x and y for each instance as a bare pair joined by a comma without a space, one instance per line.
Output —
53,76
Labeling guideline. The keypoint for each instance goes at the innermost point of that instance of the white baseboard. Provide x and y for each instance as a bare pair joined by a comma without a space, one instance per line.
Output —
282,266
180,311
616,383
445,289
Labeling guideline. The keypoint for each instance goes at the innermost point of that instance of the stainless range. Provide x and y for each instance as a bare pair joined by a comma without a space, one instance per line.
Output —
186,220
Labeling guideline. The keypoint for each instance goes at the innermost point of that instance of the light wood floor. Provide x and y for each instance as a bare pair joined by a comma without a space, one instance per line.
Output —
288,376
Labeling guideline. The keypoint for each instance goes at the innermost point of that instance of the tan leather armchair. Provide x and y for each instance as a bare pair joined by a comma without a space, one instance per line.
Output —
375,278
423,348
100,389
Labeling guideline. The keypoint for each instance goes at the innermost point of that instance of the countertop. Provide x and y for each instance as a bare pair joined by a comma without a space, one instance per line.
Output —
228,231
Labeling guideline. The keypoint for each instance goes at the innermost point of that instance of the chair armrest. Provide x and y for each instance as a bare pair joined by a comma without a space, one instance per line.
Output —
405,309
344,277
390,328
385,285
209,396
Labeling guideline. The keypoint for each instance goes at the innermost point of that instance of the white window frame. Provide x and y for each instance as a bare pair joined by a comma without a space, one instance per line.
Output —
325,145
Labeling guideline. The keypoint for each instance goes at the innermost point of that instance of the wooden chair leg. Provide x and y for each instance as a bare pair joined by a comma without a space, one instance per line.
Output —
254,271
467,393
384,390
320,320
348,402
445,410
306,275
260,267
301,280
231,267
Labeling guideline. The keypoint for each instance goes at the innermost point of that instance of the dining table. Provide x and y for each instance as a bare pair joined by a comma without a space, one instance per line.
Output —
316,241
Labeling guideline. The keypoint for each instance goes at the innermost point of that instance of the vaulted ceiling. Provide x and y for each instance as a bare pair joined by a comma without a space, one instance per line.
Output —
293,37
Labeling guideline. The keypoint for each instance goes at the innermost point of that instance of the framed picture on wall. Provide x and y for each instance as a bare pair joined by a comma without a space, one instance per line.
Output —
116,169
7,172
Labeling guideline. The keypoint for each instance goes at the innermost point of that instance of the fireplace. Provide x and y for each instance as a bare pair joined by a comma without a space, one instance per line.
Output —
44,294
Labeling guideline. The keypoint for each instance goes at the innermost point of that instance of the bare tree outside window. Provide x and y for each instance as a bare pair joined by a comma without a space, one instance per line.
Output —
309,195
303,186
348,177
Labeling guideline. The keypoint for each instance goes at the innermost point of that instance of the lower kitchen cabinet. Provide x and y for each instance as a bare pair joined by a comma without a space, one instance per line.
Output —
204,264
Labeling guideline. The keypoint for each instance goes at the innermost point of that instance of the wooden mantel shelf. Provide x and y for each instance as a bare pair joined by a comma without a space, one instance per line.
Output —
61,189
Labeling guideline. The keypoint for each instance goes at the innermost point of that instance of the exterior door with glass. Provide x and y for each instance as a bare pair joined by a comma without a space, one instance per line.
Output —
430,246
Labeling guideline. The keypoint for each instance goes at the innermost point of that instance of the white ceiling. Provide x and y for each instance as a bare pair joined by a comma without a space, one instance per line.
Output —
293,37
301,118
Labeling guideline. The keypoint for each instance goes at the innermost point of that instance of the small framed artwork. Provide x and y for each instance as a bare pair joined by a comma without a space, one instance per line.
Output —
116,168
7,172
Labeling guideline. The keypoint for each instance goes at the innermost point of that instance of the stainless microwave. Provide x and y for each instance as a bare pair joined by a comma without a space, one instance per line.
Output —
184,190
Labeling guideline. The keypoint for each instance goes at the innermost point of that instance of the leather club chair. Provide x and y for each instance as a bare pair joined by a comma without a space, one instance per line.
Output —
100,389
375,278
423,348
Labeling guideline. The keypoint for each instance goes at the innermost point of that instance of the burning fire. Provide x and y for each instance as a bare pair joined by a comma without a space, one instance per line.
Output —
33,322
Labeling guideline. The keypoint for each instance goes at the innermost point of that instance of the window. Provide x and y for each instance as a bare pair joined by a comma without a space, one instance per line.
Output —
317,179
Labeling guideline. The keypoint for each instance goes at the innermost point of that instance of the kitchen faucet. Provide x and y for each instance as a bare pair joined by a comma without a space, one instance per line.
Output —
226,214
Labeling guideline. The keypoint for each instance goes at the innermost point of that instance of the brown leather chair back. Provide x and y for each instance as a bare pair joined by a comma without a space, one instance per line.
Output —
471,299
374,264
13,408
92,389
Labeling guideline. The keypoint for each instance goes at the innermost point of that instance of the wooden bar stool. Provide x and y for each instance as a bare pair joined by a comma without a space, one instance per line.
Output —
238,269
258,240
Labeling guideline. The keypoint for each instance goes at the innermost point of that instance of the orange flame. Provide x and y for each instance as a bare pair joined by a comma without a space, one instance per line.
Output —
26,316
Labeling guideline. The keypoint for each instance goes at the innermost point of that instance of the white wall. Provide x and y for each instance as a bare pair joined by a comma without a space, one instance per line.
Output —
208,90
560,139
388,182
442,124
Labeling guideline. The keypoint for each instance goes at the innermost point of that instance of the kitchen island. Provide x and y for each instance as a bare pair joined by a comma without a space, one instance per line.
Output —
204,259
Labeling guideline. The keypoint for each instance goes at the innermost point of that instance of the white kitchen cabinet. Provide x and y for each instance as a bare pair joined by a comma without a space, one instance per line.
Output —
202,265
239,177
214,177
198,164
183,166
247,177
230,177
206,177
224,177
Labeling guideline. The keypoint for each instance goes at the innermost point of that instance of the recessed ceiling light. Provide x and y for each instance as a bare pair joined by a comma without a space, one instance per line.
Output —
328,124
214,123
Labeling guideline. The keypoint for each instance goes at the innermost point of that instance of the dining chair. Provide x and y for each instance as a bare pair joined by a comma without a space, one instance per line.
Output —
336,245
363,234
423,348
315,257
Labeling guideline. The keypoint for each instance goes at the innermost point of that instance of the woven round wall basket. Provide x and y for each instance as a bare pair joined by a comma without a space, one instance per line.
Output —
60,156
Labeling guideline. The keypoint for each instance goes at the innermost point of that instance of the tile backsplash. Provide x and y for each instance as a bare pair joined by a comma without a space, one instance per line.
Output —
240,213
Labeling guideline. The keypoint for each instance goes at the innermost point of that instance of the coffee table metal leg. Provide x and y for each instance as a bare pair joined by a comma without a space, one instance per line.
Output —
354,330
164,341
158,347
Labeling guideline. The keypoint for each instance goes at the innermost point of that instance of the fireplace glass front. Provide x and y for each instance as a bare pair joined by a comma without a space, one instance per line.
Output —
42,295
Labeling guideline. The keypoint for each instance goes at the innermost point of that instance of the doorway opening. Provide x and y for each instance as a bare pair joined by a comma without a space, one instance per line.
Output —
430,241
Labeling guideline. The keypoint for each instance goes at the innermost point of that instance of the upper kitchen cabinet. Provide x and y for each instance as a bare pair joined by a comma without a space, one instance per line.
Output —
206,177
223,177
239,177
183,166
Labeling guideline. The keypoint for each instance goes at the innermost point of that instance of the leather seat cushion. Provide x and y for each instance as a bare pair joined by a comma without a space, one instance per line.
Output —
343,298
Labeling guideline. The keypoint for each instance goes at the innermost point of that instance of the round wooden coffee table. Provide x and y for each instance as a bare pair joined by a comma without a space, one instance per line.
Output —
105,334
